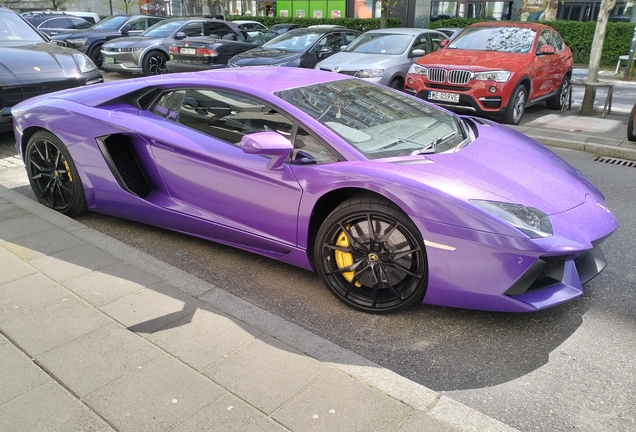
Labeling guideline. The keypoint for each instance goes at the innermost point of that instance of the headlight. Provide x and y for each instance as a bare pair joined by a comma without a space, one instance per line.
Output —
84,63
76,42
370,73
528,220
122,50
497,76
417,69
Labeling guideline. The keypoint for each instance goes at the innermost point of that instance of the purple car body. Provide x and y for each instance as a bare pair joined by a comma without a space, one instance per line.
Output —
254,196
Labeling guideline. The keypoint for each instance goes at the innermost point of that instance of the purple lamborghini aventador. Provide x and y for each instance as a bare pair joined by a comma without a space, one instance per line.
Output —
391,200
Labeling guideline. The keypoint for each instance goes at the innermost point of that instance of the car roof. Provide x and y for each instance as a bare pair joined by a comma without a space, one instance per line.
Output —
534,26
406,31
313,30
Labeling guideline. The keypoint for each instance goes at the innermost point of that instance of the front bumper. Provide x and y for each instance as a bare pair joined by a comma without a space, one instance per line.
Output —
121,62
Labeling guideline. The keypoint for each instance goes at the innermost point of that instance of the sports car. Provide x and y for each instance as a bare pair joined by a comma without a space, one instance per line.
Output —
391,200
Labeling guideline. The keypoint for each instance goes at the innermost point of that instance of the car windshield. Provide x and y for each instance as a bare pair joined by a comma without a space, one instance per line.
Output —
111,23
380,43
377,121
293,41
14,28
505,39
162,29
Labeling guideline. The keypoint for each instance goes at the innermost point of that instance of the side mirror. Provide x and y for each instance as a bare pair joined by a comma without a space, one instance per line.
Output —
180,36
417,53
125,29
325,51
546,49
267,144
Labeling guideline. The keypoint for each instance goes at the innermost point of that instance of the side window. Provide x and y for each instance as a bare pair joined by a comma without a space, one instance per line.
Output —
138,24
216,29
151,21
168,104
349,37
309,150
544,39
193,29
58,23
436,40
422,42
556,41
228,116
80,23
333,41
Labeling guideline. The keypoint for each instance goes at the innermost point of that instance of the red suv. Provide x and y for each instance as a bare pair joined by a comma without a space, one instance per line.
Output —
495,69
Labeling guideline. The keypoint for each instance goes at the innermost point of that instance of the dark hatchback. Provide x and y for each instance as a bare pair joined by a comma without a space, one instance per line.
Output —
30,65
297,48
194,54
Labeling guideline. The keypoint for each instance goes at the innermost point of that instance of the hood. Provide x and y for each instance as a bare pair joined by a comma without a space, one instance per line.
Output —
80,34
474,60
356,61
36,63
134,42
260,56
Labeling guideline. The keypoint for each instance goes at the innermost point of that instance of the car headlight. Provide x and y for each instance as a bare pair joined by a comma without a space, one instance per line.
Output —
76,42
417,69
84,63
497,76
370,73
528,220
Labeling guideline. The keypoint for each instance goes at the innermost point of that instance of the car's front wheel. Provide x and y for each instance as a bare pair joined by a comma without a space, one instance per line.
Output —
516,106
371,256
155,63
52,174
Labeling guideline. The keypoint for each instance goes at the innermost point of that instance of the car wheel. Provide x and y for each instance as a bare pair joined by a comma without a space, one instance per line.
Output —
53,176
96,55
630,124
397,83
558,100
155,63
371,256
516,106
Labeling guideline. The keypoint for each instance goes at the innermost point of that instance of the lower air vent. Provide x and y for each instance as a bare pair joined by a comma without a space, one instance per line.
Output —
122,161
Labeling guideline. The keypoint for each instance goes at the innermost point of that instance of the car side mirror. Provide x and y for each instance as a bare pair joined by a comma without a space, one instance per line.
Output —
325,51
267,144
125,29
546,49
417,53
180,36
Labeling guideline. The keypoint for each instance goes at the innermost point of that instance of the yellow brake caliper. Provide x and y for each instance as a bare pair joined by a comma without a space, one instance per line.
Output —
68,171
345,259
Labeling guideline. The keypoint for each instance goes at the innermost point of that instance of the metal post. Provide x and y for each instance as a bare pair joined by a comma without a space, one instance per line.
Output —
630,57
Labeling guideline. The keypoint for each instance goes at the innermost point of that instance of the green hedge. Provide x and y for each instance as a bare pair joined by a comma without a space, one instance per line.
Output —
577,35
350,23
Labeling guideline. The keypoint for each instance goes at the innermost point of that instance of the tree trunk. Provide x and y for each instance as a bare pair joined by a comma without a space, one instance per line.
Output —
384,12
587,106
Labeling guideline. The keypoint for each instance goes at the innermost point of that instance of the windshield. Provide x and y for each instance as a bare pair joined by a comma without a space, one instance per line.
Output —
111,23
14,28
505,39
162,29
380,43
293,41
376,120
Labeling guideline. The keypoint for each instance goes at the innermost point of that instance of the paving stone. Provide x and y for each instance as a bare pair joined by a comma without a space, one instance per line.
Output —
13,268
73,262
19,227
266,373
23,296
48,242
98,358
24,377
10,211
159,396
420,421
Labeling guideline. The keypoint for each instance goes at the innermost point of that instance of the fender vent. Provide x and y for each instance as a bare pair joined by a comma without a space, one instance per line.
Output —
123,163
614,161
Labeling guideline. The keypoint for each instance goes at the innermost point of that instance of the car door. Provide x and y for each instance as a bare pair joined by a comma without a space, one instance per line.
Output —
194,141
544,68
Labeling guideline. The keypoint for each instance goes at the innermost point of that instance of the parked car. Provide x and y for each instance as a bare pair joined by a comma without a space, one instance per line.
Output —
90,41
54,23
385,55
204,53
250,25
91,17
285,27
30,65
297,48
496,69
392,200
451,32
149,52
631,125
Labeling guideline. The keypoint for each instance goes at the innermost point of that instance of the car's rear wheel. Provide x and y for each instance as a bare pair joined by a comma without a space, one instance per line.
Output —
155,63
96,55
397,83
558,100
630,124
516,106
371,256
52,174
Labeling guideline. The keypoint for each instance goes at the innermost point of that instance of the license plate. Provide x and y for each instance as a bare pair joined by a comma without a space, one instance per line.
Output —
443,96
189,51
109,60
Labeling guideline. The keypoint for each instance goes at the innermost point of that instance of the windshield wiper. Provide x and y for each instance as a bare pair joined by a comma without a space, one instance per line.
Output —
430,148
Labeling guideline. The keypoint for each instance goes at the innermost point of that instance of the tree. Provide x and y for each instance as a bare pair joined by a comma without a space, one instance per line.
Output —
57,4
587,106
385,7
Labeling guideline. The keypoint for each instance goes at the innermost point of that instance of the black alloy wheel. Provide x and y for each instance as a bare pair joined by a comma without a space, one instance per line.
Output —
371,256
155,63
516,106
53,176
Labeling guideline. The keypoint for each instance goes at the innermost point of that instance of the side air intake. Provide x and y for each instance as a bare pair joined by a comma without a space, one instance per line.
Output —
122,161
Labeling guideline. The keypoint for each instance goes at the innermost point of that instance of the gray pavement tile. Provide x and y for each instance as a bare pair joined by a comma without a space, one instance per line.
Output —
13,268
110,283
23,296
98,358
203,338
159,396
73,262
230,414
21,226
55,324
24,375
420,421
46,242
266,373
154,308
337,402
49,408
10,211
453,413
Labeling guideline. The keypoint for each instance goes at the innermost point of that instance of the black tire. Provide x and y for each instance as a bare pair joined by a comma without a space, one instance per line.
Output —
96,55
388,269
53,176
397,83
630,124
154,63
516,106
557,102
